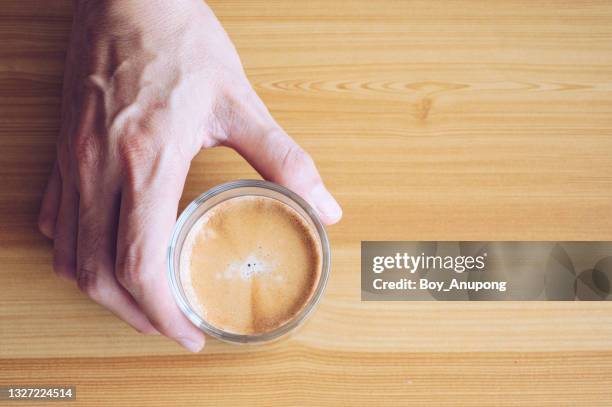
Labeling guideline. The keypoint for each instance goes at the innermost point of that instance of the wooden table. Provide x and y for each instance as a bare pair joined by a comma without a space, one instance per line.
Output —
430,120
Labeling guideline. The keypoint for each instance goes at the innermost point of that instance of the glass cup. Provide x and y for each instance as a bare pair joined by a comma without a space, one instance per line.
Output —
213,197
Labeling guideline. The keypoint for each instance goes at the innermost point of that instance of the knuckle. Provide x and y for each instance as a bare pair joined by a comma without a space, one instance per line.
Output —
166,326
85,151
88,281
129,272
297,163
136,151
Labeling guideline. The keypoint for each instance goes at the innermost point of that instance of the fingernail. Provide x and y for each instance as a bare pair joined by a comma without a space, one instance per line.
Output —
47,229
192,345
326,204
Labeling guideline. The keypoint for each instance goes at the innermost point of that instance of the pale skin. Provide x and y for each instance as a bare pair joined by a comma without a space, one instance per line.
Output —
147,85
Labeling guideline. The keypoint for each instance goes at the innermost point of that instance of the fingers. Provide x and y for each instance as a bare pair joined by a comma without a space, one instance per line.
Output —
50,203
98,217
149,205
64,236
256,136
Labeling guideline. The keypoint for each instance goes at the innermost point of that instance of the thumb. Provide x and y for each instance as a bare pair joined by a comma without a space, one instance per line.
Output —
256,136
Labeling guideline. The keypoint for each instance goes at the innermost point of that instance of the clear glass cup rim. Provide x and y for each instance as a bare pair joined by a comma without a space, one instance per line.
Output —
174,250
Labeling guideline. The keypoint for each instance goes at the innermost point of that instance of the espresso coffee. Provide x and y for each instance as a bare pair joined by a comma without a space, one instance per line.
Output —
250,264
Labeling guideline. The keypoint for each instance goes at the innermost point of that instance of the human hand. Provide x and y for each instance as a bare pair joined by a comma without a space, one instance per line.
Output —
147,85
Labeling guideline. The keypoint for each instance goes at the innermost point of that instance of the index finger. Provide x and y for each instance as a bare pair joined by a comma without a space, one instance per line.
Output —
149,206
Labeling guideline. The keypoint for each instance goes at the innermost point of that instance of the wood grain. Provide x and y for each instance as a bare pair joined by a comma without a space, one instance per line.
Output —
429,121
